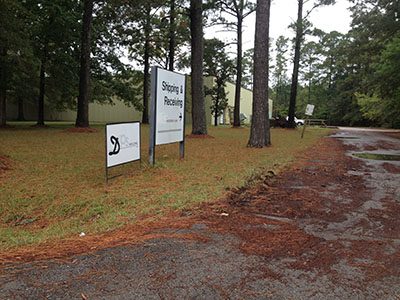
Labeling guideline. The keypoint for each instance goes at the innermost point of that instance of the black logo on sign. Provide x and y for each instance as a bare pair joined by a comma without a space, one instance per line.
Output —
117,147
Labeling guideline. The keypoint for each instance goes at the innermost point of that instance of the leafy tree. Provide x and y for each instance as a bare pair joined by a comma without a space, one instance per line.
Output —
387,83
16,55
153,33
300,31
374,54
239,10
280,80
52,35
260,132
111,78
218,65
247,74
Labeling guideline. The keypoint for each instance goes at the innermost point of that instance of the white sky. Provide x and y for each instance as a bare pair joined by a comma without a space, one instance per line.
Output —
283,13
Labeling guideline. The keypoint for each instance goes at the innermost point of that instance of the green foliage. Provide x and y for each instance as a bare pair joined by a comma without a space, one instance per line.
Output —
36,32
247,65
218,65
17,60
370,106
280,81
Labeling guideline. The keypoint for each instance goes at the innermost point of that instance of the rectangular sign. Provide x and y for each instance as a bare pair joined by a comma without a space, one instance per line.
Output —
309,109
122,143
170,107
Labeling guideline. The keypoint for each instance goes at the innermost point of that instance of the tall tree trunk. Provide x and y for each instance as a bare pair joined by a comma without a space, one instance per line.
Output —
259,134
3,87
82,118
146,75
295,75
199,123
21,115
3,108
236,110
267,131
216,112
42,88
172,30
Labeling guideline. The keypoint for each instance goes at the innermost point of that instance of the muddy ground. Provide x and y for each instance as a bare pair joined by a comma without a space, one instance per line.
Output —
327,228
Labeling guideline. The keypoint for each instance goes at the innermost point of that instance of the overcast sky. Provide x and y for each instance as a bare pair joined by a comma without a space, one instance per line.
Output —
284,12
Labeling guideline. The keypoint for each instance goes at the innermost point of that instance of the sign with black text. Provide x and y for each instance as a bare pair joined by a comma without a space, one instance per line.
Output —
122,143
167,110
170,107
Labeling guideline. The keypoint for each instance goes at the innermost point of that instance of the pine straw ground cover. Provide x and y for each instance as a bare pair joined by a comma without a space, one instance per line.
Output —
54,184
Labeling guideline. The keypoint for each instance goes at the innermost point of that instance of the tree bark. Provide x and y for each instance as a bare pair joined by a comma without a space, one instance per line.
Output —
21,115
82,118
3,108
296,65
259,133
267,131
216,113
146,75
3,87
172,29
236,110
42,88
199,123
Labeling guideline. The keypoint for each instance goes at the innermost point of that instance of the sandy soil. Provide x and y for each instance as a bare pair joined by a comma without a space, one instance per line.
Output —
327,228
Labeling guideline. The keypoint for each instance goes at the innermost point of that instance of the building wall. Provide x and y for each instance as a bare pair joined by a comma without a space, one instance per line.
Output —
105,113
120,112
246,104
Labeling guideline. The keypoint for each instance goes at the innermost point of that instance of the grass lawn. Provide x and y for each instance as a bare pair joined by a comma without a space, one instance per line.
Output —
56,184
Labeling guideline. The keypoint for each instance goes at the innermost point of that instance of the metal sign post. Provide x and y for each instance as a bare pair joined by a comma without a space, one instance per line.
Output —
304,127
167,110
153,95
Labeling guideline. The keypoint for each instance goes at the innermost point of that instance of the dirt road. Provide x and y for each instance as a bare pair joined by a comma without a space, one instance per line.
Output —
327,228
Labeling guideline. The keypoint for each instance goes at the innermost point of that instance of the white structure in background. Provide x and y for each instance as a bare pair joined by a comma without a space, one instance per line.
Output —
246,105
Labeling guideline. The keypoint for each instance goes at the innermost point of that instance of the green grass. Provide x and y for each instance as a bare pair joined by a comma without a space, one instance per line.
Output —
56,185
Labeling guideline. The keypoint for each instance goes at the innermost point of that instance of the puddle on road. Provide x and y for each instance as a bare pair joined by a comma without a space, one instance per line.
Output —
346,137
378,156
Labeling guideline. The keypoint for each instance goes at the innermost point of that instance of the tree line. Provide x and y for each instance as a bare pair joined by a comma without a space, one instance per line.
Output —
69,53
352,77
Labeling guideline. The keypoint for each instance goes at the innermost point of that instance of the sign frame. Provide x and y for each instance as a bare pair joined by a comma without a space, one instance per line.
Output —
106,150
153,116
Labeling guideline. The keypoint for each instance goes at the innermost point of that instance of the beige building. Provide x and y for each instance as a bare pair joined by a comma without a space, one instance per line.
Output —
246,104
120,112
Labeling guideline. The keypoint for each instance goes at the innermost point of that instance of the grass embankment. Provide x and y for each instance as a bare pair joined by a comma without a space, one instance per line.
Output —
54,185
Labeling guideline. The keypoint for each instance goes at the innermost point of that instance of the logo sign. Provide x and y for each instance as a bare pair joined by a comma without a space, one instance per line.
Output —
309,110
122,143
169,106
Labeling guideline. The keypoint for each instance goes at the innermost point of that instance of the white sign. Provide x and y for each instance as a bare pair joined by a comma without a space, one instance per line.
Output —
309,109
122,143
170,107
